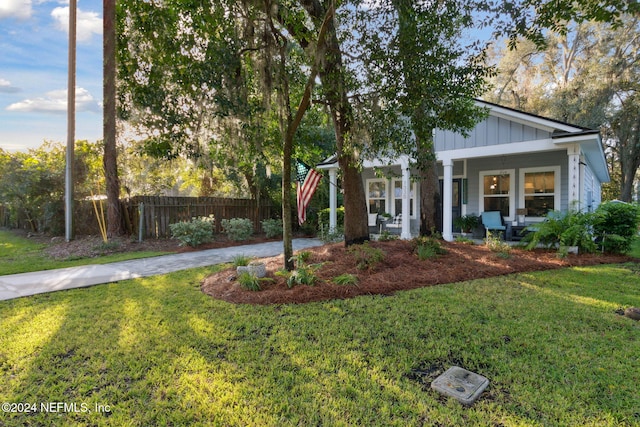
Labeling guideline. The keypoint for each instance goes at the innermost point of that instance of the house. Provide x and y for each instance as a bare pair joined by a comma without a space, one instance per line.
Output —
520,164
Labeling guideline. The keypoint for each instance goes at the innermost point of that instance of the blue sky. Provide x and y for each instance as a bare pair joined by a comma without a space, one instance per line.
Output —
33,72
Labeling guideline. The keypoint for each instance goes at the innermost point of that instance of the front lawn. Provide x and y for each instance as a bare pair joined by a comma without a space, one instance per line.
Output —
21,255
157,351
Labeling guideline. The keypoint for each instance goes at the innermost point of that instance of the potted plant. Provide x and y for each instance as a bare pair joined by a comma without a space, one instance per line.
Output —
466,223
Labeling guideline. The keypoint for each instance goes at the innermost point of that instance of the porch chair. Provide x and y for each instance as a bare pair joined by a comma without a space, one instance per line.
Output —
373,221
493,221
395,223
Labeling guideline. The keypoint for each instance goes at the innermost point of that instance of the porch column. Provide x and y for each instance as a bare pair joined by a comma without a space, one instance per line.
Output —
447,200
574,177
333,200
406,199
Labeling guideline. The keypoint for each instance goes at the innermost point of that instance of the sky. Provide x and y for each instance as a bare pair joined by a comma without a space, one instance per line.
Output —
34,42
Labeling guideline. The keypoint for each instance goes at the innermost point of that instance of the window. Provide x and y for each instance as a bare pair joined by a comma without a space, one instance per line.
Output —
541,190
496,188
377,196
397,198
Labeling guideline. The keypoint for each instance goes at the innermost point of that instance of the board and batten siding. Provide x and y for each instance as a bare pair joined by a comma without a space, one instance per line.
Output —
491,131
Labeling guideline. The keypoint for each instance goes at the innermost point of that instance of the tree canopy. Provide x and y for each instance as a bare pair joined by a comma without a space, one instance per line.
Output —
589,76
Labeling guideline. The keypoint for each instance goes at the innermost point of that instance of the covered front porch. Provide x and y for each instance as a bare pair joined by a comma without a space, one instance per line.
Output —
521,180
392,197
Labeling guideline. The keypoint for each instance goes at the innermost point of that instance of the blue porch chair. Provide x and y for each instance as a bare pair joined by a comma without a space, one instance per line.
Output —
493,221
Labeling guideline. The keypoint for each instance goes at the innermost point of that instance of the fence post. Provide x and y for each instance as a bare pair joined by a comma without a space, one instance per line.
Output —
140,221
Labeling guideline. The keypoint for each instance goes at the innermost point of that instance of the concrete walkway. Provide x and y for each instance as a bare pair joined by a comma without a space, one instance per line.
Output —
25,284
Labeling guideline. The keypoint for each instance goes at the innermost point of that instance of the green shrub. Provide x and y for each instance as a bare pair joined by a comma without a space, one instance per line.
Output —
237,229
323,218
330,236
249,281
325,233
195,232
464,240
272,227
301,258
241,261
563,229
303,275
366,256
346,279
385,236
615,226
497,245
427,247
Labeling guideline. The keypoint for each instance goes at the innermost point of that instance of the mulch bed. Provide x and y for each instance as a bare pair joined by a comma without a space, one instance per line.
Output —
400,270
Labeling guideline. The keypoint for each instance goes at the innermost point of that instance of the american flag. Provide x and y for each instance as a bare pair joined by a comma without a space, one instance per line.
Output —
307,180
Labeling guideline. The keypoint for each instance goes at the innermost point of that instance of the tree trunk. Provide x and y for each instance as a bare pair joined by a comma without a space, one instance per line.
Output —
287,229
629,168
356,228
288,129
114,211
430,200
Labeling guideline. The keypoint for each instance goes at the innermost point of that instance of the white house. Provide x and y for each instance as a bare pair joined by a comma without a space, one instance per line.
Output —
517,163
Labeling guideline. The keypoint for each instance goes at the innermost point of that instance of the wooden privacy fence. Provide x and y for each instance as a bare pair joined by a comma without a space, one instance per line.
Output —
158,212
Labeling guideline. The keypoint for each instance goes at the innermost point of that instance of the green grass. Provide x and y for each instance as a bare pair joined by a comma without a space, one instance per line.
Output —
635,249
157,351
20,255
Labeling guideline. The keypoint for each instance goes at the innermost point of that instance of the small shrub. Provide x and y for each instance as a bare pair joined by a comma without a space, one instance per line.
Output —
330,236
497,245
303,275
615,226
346,279
385,236
241,261
427,247
366,256
301,258
563,229
426,252
195,232
237,229
323,218
249,281
272,227
464,240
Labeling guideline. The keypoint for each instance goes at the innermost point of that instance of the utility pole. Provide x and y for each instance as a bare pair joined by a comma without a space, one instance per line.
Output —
71,124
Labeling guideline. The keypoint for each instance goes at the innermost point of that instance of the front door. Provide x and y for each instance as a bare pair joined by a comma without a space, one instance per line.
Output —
456,202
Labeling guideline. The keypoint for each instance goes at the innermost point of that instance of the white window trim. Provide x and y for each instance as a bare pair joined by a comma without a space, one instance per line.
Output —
512,186
386,198
557,193
392,194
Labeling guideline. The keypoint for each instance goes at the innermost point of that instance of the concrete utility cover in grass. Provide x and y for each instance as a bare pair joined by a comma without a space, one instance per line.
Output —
466,386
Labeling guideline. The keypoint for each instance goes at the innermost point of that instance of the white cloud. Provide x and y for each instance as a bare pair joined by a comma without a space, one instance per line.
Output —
56,102
20,9
87,23
7,87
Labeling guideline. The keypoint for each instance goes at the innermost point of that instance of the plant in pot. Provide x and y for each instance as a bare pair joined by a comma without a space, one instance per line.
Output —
466,223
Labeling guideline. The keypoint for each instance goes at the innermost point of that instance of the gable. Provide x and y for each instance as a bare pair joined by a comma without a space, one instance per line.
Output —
493,130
